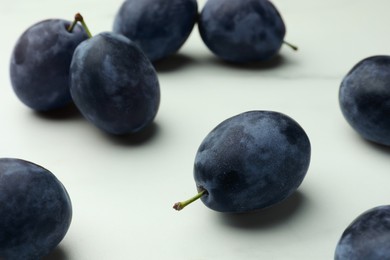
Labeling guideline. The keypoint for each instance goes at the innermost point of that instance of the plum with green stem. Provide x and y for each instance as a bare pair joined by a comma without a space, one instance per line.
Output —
250,161
40,61
242,31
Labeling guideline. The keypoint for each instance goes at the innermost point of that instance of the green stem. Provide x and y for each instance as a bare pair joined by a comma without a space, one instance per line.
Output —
79,18
181,205
71,27
295,48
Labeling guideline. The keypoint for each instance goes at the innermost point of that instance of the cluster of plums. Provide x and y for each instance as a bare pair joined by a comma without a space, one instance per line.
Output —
110,78
248,162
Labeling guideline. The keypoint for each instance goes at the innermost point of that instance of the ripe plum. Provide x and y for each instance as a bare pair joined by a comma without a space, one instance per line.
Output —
113,84
251,161
242,31
35,210
367,237
159,27
40,63
364,98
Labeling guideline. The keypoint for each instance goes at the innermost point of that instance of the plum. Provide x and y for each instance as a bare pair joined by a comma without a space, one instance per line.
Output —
35,210
251,161
364,98
113,84
159,27
367,237
242,31
40,63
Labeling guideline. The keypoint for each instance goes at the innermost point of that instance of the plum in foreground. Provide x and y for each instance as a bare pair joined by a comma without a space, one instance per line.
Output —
250,161
35,210
40,63
113,84
364,98
242,31
159,27
367,237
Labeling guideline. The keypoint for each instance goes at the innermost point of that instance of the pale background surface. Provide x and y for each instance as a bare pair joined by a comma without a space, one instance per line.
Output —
123,189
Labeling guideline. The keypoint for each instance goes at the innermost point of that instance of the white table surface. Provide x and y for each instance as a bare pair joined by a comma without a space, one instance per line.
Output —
123,189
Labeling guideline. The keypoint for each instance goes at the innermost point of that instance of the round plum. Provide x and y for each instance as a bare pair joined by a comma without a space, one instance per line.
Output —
367,237
159,27
242,31
113,84
35,210
251,161
364,98
40,63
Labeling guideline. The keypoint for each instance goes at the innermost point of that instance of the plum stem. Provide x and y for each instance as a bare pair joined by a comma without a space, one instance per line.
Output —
79,18
71,27
181,205
295,48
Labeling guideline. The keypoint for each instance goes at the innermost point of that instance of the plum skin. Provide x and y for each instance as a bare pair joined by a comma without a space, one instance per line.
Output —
251,161
35,210
242,31
367,237
159,27
364,98
114,85
40,61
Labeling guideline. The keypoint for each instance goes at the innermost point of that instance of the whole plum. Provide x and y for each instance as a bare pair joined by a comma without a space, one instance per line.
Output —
242,31
40,63
114,84
159,27
364,98
251,161
367,237
35,210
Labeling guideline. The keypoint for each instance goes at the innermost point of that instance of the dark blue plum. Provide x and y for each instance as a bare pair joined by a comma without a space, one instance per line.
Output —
159,27
40,64
367,237
114,84
35,210
251,161
364,98
242,31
